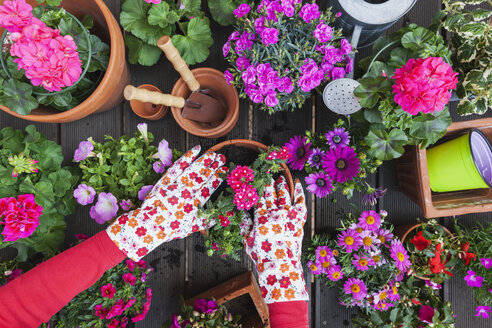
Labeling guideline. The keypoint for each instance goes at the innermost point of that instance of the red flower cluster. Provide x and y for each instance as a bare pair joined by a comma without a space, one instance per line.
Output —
20,217
436,264
245,195
282,154
465,255
420,242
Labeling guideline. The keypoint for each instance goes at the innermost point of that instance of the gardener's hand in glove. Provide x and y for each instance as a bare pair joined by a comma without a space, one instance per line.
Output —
170,210
274,242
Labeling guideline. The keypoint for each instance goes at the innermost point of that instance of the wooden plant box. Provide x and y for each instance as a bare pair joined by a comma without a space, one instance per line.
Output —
413,179
240,285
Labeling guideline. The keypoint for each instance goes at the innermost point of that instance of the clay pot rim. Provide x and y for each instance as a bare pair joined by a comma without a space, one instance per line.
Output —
251,144
225,127
68,115
158,114
407,229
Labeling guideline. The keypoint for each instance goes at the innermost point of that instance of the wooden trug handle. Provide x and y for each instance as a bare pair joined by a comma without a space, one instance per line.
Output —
179,64
153,97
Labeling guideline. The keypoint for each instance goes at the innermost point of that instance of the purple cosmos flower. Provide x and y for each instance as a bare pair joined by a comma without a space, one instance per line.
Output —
205,306
323,252
316,157
165,153
337,73
350,240
105,209
269,36
356,288
370,220
159,167
372,195
345,46
433,285
126,205
326,263
84,194
337,137
361,263
486,262
369,241
483,311
84,150
335,273
473,280
400,255
341,163
315,267
383,235
299,151
226,48
426,313
323,33
393,292
319,183
242,10
309,12
228,76
144,191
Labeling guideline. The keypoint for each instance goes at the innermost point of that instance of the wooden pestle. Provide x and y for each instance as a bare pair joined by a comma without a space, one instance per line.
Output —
153,97
179,64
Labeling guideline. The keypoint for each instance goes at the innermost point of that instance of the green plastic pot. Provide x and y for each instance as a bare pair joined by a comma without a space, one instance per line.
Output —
461,164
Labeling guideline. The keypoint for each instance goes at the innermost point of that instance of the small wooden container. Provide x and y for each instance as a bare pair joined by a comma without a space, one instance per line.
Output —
234,288
413,179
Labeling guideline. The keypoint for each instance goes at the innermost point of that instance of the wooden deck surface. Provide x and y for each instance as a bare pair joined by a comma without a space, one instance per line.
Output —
182,267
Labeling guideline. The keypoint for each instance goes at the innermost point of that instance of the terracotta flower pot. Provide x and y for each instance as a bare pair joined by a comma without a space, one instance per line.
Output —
110,90
208,78
403,231
147,110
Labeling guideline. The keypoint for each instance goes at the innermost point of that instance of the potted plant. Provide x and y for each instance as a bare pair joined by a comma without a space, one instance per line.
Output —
335,160
419,305
120,296
471,31
148,20
404,92
476,263
363,260
280,53
75,82
433,250
245,181
35,187
120,172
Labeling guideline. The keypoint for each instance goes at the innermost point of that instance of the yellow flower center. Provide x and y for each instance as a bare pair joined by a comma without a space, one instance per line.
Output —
322,253
313,267
400,256
367,241
355,288
370,220
376,258
395,290
383,296
359,230
363,262
336,275
349,240
335,252
325,264
382,239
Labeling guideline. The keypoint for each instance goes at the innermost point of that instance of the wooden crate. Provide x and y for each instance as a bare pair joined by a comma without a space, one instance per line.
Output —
413,179
240,285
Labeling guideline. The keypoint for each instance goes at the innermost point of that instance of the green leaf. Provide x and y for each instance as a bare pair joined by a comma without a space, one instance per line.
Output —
369,90
386,146
141,52
481,104
49,155
430,128
100,55
61,182
222,11
373,115
191,6
394,314
472,30
194,45
160,14
417,39
17,96
88,22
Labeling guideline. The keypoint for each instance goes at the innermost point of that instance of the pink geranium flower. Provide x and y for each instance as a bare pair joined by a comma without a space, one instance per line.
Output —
15,15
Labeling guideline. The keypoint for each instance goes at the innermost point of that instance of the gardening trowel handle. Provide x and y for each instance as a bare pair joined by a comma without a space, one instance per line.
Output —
153,97
179,64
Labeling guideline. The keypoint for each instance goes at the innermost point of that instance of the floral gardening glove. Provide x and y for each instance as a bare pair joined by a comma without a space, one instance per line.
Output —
274,242
170,210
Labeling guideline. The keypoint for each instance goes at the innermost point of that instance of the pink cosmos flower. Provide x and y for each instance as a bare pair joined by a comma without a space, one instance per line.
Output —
84,194
335,273
105,209
108,290
400,255
315,267
350,240
355,287
370,220
309,12
361,263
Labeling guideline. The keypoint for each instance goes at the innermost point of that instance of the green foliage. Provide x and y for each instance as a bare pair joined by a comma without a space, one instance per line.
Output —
52,186
218,318
222,10
388,127
480,241
472,53
405,313
22,97
146,23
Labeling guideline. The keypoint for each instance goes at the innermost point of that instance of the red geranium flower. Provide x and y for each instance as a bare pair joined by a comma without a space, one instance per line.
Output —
420,242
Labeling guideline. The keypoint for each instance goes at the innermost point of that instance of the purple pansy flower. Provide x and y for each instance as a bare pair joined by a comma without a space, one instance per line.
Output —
84,150
319,183
337,137
105,209
84,194
144,191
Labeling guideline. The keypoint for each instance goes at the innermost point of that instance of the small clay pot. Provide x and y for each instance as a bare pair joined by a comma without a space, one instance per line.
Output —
147,110
402,233
213,79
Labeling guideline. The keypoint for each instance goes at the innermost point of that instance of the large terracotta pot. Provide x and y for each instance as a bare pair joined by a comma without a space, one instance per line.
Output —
110,90
403,231
208,78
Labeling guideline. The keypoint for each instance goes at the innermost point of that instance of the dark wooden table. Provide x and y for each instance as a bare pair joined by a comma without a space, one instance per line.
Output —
182,267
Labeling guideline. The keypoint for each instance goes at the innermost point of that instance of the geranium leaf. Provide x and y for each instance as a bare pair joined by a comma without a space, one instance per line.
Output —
194,45
61,182
386,146
141,52
192,6
17,96
160,14
417,39
430,128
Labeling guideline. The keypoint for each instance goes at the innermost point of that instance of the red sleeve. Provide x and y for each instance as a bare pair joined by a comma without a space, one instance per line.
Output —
34,297
294,314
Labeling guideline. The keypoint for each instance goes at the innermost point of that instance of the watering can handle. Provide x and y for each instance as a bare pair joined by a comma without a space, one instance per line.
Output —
179,64
153,97
354,42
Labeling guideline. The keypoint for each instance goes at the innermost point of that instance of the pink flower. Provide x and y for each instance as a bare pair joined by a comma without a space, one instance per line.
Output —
228,77
108,290
309,12
323,33
260,24
483,311
13,274
240,176
242,10
130,265
486,262
269,36
129,278
100,312
83,151
155,2
345,47
84,194
15,15
20,217
113,324
242,63
246,197
226,48
81,236
127,204
426,313
144,191
356,288
116,310
473,280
